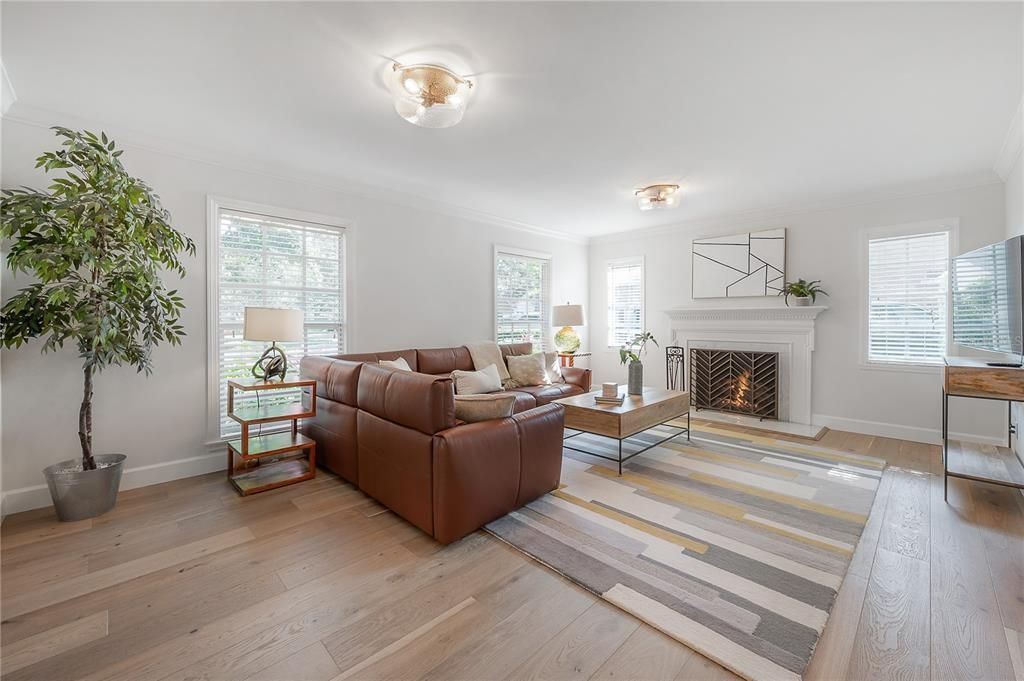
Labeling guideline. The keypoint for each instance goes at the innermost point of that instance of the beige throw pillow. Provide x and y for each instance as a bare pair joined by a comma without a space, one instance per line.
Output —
473,408
399,364
477,382
553,368
527,369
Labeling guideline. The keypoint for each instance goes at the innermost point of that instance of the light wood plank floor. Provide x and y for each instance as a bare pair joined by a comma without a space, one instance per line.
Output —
186,580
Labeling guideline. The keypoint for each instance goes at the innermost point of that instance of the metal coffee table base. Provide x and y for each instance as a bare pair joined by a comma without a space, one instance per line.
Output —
620,460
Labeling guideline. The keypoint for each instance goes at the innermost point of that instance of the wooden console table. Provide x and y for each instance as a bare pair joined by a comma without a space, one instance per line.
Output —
973,378
246,468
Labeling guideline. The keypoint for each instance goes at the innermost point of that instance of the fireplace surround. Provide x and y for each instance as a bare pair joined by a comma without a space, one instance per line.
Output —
737,381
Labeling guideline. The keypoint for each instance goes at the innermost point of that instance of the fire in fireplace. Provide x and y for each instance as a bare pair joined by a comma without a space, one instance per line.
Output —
735,381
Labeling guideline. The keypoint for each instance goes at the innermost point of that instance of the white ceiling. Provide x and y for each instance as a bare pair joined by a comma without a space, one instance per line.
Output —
748,106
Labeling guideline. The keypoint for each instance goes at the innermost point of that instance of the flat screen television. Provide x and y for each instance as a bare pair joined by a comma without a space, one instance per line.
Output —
988,297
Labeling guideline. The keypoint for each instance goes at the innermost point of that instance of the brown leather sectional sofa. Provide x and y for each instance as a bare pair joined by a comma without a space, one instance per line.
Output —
395,436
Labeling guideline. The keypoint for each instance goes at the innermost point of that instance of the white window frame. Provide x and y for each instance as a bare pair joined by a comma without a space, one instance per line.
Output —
547,338
214,205
629,260
949,225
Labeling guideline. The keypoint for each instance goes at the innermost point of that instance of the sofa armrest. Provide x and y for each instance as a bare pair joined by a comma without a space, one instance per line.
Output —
486,469
577,376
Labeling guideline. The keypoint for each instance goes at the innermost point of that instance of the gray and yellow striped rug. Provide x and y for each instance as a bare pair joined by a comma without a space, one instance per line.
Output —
733,544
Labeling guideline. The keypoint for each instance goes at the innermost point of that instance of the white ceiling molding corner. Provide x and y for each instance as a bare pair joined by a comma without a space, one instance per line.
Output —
713,225
1012,144
7,94
44,118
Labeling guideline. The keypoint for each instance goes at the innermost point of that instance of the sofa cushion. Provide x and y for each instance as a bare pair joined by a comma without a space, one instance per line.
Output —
375,357
398,364
546,393
473,408
413,400
524,401
516,349
438,361
336,380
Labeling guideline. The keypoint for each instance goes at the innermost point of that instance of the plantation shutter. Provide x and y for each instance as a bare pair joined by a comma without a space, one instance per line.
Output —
522,299
625,301
265,261
907,294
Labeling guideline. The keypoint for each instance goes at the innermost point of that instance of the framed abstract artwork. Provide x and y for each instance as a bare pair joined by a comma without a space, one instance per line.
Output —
740,265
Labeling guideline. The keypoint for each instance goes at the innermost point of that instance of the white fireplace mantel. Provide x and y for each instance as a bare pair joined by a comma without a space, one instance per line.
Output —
786,330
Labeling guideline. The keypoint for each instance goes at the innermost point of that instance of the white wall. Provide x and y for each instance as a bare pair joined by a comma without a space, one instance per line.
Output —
422,279
822,244
1015,226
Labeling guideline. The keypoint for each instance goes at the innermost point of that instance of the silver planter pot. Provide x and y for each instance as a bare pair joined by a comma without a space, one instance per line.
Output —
78,495
636,378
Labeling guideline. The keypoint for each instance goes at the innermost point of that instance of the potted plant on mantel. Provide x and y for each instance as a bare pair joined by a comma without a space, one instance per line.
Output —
631,353
803,292
96,244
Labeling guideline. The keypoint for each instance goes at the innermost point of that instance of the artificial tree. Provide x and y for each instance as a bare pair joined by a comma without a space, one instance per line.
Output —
96,244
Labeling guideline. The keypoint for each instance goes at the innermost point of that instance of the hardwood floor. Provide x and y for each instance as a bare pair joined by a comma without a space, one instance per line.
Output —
186,580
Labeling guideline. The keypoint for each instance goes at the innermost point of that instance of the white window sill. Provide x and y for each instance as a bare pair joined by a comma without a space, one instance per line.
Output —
902,367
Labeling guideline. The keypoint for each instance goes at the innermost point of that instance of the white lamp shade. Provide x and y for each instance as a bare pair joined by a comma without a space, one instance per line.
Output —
272,324
567,315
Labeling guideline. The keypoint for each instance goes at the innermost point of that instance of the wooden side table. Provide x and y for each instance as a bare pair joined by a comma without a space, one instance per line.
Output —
294,453
568,359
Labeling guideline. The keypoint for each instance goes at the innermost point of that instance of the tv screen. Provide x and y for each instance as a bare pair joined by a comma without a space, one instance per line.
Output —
988,300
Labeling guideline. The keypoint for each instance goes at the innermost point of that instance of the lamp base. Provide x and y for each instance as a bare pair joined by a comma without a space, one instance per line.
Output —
567,340
272,364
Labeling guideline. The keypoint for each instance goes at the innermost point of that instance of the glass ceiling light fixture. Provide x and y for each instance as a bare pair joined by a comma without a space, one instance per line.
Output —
428,95
657,196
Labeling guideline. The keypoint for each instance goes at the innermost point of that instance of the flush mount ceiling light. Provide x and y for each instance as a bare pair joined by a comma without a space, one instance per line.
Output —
658,196
428,95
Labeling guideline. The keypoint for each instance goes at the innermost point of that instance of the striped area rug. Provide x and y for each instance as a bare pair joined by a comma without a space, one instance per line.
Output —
733,544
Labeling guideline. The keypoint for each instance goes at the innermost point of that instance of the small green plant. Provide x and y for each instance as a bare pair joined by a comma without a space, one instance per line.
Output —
803,289
631,352
96,244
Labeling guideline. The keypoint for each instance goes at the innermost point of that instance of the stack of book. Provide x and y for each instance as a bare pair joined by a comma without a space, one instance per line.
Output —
609,394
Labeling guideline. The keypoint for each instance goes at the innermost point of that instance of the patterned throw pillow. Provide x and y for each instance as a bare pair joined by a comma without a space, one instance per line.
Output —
527,369
473,408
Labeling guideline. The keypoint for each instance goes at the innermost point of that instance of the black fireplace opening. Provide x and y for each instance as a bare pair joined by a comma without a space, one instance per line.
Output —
735,381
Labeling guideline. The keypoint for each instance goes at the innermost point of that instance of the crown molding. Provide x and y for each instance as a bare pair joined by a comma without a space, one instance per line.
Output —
711,224
135,139
1008,154
7,95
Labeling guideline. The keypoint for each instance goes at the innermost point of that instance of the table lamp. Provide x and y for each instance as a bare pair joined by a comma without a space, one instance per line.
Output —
567,316
275,325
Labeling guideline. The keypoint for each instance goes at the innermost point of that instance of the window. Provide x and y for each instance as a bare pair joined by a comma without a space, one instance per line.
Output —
908,294
625,300
522,297
265,257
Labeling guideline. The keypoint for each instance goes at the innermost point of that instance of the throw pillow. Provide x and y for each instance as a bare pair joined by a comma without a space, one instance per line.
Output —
553,368
477,382
473,408
399,364
527,369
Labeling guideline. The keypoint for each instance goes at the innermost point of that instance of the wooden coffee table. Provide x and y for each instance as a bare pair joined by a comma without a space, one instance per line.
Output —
636,414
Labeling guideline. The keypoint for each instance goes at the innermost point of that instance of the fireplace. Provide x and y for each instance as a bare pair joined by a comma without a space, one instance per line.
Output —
735,381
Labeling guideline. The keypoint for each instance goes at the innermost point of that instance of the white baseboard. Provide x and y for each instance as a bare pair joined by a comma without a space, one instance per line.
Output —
37,496
932,436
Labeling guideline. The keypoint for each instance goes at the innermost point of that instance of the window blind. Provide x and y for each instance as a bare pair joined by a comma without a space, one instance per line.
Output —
625,301
907,294
522,299
275,262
